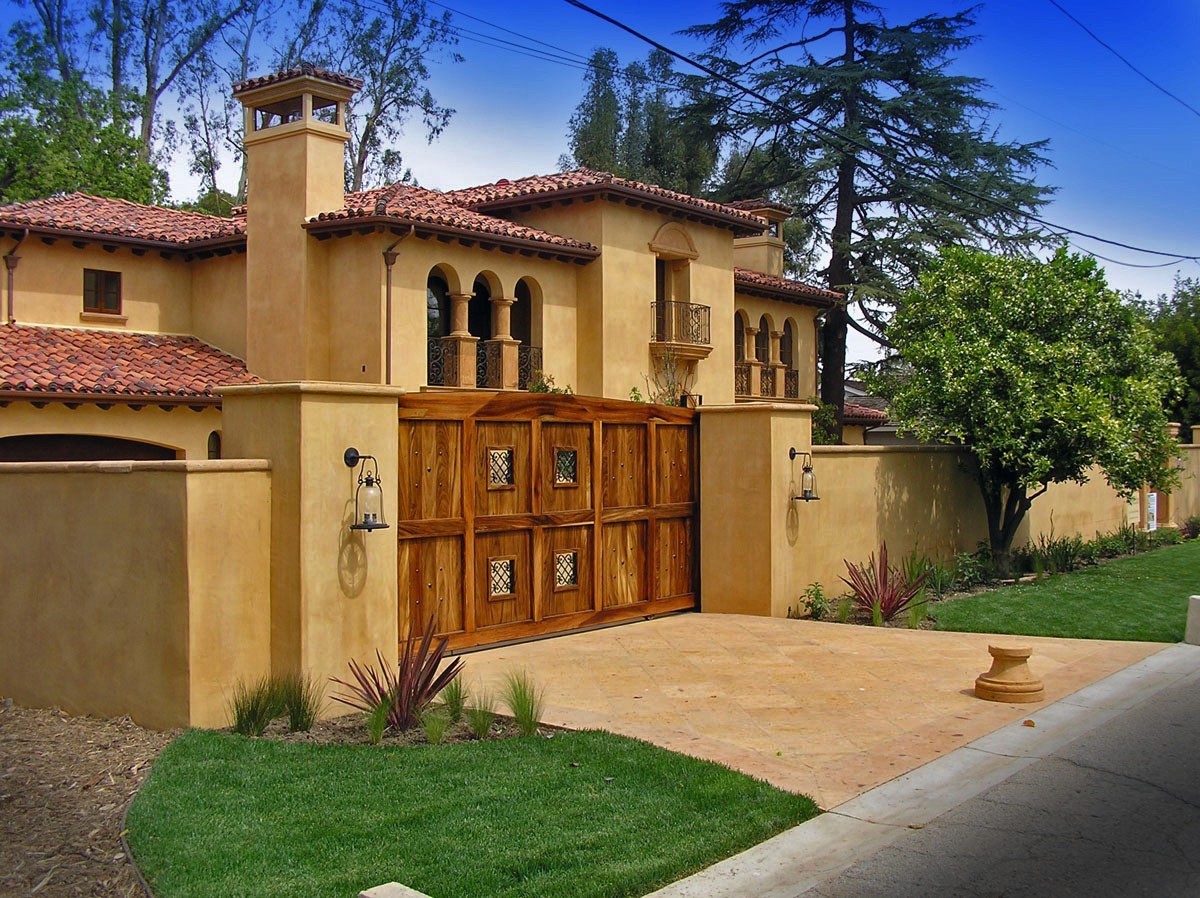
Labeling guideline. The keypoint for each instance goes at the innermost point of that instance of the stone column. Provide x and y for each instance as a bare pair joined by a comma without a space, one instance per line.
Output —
752,360
502,338
462,343
776,364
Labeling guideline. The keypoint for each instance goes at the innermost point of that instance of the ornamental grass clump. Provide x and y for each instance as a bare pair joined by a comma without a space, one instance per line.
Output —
482,715
881,589
525,700
407,692
254,705
299,697
454,697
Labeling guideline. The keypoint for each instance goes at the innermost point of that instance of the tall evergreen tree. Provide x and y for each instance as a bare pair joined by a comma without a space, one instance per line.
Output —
594,131
889,152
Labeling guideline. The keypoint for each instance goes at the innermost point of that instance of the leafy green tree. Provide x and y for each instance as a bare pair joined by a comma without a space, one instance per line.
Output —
593,133
889,154
60,136
1039,371
1175,320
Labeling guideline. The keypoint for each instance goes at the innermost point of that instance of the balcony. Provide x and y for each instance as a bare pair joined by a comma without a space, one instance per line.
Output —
681,329
754,380
449,357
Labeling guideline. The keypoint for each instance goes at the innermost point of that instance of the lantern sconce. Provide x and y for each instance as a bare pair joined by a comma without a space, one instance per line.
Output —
808,481
368,496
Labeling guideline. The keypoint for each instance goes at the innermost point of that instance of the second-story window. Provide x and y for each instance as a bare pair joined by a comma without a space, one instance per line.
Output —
102,291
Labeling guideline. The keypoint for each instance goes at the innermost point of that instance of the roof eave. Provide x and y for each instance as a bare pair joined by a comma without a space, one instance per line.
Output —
174,399
125,240
763,292
331,226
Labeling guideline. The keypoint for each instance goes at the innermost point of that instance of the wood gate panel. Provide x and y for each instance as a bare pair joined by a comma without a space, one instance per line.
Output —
521,514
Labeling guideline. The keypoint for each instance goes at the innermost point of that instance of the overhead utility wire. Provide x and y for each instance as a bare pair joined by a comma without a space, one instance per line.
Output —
818,126
1184,103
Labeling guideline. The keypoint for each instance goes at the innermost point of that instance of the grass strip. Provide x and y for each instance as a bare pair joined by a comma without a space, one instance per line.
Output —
580,814
1141,598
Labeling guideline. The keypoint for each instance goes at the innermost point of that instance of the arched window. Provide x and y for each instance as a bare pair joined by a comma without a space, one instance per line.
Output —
214,444
739,337
762,341
786,346
437,306
479,310
521,321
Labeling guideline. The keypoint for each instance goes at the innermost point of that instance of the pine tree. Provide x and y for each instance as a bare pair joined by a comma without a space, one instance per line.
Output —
888,152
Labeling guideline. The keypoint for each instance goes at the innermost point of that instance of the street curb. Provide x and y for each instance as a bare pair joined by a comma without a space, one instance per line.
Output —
794,861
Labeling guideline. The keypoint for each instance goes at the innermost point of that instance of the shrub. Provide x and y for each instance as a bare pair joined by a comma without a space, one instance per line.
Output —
408,691
300,700
525,700
1192,526
1167,536
541,382
814,599
974,568
377,721
254,706
481,717
882,589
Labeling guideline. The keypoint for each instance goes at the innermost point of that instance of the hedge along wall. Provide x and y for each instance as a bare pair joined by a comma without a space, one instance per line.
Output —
137,588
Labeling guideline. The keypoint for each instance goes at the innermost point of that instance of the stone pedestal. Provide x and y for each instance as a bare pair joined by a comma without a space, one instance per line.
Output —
1010,679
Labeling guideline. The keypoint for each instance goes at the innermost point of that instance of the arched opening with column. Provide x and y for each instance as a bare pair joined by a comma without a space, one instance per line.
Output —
441,290
526,327
787,358
741,367
763,353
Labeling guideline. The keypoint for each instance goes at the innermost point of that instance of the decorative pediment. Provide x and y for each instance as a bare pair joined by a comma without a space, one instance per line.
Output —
673,242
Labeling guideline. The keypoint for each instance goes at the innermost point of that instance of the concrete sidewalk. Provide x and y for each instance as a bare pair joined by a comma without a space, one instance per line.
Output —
825,709
1099,797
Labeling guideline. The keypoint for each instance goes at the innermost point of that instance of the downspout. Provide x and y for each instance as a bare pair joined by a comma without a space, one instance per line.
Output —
10,263
389,259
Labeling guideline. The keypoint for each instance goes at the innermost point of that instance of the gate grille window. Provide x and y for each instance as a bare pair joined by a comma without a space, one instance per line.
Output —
566,467
501,577
500,468
566,569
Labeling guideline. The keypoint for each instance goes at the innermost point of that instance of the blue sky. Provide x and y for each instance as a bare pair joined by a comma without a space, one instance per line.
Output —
1125,156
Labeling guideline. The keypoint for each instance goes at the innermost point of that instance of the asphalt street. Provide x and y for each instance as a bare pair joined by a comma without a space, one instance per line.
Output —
1115,812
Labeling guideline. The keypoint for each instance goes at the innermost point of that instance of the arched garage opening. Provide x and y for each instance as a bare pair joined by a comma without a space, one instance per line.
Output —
80,447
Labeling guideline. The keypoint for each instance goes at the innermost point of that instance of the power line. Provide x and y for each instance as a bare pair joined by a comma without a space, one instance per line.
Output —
1113,51
847,140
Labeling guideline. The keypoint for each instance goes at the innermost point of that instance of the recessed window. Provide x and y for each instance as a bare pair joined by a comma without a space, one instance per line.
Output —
502,574
566,569
501,473
566,467
102,291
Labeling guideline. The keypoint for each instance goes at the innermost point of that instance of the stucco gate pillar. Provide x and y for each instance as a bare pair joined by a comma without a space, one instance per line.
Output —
750,528
333,590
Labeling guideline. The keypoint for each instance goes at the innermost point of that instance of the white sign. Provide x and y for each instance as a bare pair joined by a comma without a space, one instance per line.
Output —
1151,511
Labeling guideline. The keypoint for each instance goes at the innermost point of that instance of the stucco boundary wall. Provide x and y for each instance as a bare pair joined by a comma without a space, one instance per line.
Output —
1187,496
135,588
760,549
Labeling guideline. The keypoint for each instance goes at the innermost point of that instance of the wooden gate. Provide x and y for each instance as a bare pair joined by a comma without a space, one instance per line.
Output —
522,513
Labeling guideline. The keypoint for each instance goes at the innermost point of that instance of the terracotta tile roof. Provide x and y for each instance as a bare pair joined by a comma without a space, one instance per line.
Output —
85,214
90,363
306,69
419,205
755,205
783,288
860,414
505,194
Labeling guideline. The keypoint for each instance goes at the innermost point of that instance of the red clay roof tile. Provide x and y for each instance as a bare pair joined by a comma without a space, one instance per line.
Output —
505,194
784,288
82,213
306,69
79,362
860,414
417,204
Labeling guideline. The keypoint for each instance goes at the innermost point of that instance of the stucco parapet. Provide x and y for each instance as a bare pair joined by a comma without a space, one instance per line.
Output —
215,466
885,450
314,388
746,408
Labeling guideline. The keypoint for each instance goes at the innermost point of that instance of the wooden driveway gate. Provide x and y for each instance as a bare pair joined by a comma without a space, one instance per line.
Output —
523,513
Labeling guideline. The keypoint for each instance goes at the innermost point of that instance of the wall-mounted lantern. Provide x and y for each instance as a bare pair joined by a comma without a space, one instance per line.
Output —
368,497
808,481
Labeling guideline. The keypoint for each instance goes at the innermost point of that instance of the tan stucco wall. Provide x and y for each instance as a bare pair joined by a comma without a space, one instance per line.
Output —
333,590
48,288
616,291
219,302
181,428
1066,509
122,591
1187,497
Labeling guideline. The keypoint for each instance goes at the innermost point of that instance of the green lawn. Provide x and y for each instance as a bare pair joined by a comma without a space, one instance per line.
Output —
581,814
1141,598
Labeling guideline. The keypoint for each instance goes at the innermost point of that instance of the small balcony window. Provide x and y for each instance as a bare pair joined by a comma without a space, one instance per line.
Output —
102,291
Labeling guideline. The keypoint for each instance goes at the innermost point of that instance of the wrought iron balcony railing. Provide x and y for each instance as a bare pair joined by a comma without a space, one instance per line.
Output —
681,322
741,379
791,384
442,362
489,369
766,381
529,359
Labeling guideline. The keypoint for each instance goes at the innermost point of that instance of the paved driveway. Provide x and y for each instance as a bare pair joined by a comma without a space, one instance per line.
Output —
829,710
